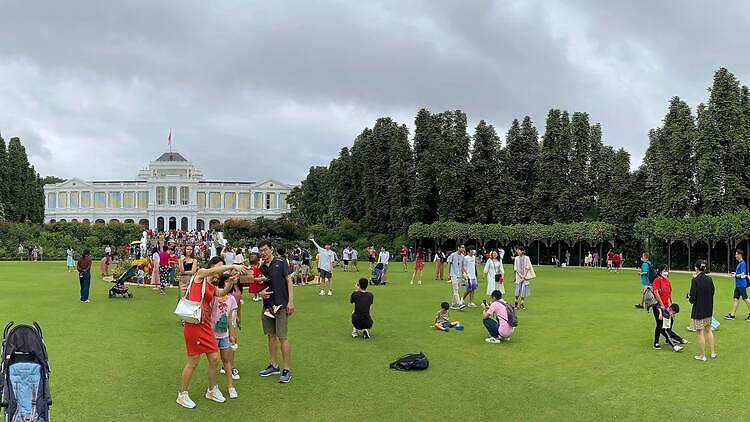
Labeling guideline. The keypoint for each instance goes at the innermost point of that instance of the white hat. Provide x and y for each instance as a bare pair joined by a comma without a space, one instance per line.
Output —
254,249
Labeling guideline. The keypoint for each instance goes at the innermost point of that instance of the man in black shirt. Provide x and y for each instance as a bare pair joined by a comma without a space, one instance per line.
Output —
281,292
362,300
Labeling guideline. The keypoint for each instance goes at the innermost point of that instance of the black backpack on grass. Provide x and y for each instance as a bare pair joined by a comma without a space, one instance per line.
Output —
410,362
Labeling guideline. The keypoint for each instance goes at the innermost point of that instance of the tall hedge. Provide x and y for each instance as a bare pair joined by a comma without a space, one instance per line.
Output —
728,226
589,231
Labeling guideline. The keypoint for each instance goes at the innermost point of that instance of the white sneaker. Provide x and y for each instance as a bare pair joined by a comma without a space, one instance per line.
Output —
222,371
472,305
322,292
183,399
411,282
330,293
354,332
215,394
677,348
714,355
419,282
235,375
700,358
232,393
492,340
684,341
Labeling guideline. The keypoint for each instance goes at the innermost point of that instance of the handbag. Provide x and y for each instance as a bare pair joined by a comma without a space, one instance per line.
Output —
188,310
531,274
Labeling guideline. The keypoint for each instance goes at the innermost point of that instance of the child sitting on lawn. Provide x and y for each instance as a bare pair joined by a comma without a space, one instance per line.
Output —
442,319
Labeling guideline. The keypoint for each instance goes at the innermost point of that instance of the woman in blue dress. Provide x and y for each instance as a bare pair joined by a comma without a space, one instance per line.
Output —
71,262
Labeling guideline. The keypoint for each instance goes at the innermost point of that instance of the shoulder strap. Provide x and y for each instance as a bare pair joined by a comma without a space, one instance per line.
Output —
190,286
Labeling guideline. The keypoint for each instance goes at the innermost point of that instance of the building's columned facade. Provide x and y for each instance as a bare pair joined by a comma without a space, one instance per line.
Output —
170,194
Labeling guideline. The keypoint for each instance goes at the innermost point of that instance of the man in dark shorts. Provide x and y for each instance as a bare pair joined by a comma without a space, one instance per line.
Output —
281,292
362,300
740,286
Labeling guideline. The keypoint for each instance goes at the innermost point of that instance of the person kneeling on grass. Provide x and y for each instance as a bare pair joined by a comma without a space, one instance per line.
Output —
443,319
362,300
499,329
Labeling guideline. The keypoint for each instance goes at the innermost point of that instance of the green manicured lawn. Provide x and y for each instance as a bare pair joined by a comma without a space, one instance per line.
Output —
582,352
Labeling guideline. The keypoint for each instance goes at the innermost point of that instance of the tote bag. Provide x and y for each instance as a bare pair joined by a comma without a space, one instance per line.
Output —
188,310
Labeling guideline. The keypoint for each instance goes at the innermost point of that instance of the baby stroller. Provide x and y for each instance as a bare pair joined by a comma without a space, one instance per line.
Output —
25,374
120,289
377,275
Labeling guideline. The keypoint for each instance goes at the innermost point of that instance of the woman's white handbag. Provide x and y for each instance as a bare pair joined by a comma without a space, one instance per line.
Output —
189,310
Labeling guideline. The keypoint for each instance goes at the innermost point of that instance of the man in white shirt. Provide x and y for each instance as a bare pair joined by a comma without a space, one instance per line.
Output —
457,272
346,256
325,267
383,257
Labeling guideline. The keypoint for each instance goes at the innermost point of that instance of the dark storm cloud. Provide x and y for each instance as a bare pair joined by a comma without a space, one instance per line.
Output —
255,90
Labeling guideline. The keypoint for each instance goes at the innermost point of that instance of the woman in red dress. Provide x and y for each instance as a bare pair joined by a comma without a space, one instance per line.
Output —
418,267
199,338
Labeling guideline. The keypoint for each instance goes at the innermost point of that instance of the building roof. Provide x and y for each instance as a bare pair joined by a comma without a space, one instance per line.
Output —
171,156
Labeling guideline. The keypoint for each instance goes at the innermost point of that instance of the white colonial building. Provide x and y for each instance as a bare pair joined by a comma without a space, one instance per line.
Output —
170,194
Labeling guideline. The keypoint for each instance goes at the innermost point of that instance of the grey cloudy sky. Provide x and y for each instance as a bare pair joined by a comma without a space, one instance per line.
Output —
257,90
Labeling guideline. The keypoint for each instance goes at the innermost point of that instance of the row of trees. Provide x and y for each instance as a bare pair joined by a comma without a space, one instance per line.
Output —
695,165
385,183
699,164
21,188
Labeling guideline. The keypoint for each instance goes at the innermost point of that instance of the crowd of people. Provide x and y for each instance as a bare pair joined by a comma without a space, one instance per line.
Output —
31,253
657,297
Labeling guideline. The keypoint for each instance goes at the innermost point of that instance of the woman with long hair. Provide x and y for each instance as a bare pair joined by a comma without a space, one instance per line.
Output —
493,268
188,266
439,259
155,264
418,267
84,274
199,338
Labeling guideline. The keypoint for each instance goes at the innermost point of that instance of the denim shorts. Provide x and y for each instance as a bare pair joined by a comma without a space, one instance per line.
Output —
222,342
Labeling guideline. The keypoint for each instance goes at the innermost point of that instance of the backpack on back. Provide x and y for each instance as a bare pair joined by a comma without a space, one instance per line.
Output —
512,316
649,298
411,361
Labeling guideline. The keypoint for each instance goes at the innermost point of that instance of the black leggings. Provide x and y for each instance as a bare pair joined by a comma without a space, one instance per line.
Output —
661,331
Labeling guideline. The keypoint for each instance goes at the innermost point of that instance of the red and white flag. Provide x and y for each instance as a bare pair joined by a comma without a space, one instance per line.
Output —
169,137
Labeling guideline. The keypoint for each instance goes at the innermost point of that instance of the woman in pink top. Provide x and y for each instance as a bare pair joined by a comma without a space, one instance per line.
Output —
499,329
163,268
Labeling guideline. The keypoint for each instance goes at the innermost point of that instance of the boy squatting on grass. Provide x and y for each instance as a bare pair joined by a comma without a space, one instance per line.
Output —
443,321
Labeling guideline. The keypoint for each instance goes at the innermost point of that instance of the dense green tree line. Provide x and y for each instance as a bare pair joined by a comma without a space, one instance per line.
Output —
21,188
695,164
